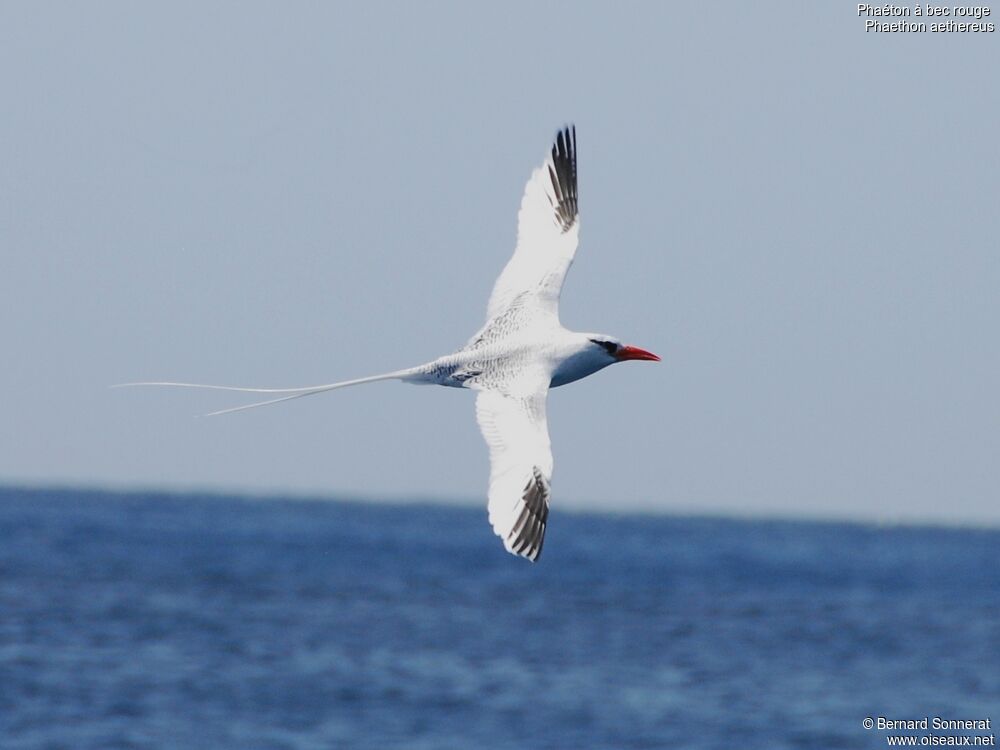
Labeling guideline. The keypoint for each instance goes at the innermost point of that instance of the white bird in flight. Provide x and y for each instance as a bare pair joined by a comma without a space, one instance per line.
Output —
513,361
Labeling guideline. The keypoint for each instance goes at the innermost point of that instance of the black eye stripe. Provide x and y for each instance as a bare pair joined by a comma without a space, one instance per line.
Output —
609,346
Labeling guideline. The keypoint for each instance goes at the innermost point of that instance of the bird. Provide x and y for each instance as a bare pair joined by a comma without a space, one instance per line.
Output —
520,353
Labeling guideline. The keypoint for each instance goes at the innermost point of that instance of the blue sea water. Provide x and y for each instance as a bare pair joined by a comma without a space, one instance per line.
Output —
157,621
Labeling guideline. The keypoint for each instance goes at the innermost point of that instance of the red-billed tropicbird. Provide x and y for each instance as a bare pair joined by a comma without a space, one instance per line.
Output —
513,361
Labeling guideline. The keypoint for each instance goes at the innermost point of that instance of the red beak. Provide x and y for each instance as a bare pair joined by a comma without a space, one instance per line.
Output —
634,352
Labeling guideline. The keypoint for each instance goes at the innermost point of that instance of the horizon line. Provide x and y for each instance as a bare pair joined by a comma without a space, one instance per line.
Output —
677,512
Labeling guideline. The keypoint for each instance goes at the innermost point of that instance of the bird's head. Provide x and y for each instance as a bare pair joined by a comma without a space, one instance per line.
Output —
590,352
613,350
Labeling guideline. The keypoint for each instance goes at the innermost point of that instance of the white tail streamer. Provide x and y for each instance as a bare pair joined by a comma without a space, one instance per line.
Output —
293,392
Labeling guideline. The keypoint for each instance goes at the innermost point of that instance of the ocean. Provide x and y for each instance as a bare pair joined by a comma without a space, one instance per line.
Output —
187,621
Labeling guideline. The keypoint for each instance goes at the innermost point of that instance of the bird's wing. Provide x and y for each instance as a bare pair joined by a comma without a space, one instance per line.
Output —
548,230
516,432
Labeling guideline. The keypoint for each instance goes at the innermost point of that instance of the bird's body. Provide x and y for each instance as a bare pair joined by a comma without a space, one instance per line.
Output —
516,357
497,362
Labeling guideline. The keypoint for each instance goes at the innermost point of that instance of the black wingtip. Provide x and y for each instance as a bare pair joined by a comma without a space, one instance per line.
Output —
528,535
563,177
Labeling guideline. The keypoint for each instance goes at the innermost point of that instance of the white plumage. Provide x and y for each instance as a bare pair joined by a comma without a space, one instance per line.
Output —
548,231
519,354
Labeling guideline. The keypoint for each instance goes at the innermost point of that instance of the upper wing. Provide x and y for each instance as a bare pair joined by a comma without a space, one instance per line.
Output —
516,432
547,231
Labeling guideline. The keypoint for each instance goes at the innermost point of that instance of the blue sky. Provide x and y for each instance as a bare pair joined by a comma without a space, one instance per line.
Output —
799,217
